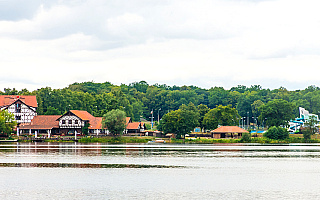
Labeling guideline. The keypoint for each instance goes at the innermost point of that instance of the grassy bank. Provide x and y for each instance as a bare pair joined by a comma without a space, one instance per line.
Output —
116,140
125,139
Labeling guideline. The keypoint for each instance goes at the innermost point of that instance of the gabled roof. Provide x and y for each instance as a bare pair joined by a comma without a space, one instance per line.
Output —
84,115
95,123
229,129
7,100
134,125
128,120
42,122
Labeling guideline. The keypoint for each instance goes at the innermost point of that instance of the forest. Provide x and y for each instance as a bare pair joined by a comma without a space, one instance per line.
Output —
139,99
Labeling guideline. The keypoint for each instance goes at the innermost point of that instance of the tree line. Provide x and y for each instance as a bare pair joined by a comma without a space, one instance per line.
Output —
138,99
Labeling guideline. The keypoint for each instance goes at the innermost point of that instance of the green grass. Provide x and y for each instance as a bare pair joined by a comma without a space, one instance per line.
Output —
116,140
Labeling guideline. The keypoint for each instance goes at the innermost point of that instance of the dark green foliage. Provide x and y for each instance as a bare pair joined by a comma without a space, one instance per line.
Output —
181,121
307,133
221,115
7,123
246,137
276,133
114,121
139,98
85,129
276,112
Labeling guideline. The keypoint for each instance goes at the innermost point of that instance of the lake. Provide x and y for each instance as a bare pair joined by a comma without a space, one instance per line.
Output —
159,171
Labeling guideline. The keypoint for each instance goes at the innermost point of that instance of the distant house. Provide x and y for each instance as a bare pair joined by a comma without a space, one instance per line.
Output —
24,108
75,120
68,124
42,124
133,128
228,131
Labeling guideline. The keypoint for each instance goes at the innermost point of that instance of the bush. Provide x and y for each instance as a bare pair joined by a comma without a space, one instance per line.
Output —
306,133
276,133
246,137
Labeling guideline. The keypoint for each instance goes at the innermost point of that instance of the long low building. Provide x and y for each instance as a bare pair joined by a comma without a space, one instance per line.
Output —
68,124
228,131
71,123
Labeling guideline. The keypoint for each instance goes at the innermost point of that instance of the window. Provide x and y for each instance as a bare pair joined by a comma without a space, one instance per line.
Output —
63,121
76,121
18,117
70,122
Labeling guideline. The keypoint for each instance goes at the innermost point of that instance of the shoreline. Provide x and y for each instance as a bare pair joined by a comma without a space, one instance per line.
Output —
143,139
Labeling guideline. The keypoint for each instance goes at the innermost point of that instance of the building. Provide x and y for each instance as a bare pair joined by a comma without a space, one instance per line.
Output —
305,116
228,131
135,127
70,123
24,108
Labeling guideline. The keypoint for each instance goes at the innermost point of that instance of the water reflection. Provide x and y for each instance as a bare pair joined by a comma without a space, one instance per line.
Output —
75,165
158,171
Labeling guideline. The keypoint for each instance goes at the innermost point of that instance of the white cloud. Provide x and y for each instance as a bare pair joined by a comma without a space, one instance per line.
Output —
203,43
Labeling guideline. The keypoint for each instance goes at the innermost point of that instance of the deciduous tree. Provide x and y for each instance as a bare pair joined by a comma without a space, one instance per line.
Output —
114,121
7,122
277,112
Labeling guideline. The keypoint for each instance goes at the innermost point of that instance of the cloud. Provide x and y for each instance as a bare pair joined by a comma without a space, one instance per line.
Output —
204,43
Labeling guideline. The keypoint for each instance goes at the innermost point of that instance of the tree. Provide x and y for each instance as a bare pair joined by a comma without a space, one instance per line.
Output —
180,121
7,122
114,121
203,110
276,112
221,115
85,128
276,133
255,107
309,127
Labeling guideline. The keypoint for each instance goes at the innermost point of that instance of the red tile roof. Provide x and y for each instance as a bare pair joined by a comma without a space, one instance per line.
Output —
229,129
7,100
42,122
95,122
84,115
134,125
128,120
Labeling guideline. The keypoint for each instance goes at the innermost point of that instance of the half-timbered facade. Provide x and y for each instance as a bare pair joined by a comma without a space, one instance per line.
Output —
74,120
24,108
70,123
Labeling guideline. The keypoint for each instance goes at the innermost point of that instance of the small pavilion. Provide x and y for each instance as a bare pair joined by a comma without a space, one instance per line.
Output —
228,131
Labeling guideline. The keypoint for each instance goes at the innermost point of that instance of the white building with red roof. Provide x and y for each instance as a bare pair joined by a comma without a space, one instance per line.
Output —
24,108
225,131
68,124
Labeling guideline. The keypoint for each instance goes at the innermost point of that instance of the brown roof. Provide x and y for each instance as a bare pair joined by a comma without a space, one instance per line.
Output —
134,125
95,122
42,122
84,115
128,120
7,100
229,129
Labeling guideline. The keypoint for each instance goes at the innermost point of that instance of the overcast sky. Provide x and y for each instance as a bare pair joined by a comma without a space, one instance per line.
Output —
205,43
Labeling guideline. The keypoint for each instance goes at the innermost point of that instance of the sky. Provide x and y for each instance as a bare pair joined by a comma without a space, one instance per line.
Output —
205,43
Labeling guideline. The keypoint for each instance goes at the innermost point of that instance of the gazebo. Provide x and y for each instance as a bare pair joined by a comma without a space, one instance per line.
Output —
223,131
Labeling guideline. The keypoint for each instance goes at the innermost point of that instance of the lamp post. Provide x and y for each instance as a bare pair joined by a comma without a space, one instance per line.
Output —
256,122
158,115
243,118
248,120
152,119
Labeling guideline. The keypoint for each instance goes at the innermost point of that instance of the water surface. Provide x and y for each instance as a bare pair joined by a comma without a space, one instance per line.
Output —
159,171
